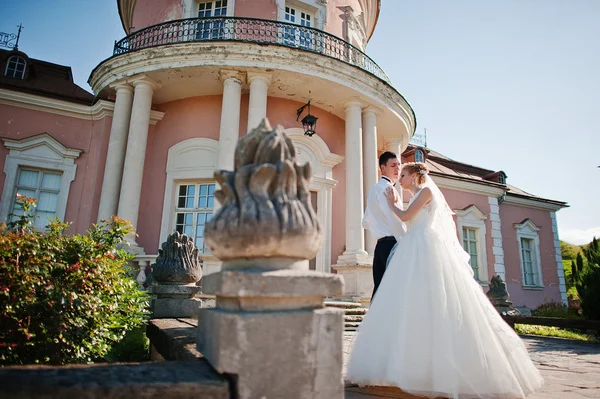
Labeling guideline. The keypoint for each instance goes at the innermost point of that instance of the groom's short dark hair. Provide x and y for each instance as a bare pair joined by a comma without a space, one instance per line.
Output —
385,157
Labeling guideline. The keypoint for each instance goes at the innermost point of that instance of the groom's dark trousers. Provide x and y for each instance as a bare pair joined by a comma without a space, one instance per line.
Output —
380,257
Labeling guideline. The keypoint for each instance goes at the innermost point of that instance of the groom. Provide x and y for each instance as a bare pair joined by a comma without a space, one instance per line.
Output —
380,219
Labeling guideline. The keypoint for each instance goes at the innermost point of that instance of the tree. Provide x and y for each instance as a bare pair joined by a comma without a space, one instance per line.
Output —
587,280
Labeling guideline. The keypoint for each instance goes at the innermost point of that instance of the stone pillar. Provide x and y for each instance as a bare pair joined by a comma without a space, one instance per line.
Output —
229,131
395,146
370,164
257,110
269,327
133,170
115,157
355,253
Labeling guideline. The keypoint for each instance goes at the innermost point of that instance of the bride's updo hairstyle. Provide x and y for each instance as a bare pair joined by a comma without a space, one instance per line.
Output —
417,167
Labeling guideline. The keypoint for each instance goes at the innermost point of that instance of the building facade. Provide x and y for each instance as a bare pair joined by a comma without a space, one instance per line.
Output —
189,79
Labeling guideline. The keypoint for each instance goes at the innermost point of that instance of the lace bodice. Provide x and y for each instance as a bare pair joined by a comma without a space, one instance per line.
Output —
424,217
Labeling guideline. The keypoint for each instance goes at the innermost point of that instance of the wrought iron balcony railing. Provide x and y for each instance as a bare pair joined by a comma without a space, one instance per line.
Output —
252,31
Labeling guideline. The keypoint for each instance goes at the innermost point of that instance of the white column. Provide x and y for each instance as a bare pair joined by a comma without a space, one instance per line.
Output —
257,109
133,170
395,146
229,131
370,164
355,239
115,156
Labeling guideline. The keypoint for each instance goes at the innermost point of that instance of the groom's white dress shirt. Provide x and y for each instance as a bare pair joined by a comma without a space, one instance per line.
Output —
379,218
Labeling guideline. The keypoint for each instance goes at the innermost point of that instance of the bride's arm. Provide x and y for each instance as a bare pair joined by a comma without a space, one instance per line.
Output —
422,199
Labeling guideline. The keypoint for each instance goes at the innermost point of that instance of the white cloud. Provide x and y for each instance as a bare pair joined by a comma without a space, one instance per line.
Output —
579,236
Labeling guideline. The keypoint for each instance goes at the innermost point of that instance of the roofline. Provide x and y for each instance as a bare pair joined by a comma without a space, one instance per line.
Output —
516,198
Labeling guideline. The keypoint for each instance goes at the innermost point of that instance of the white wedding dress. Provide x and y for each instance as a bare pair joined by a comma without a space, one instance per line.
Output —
430,329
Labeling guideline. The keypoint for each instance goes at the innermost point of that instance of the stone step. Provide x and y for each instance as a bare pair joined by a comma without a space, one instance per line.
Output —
342,304
355,311
353,319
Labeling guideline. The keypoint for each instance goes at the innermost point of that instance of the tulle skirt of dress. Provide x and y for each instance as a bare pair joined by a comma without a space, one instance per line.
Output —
432,331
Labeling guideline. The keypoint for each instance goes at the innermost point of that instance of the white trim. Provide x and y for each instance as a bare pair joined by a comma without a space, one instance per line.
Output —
398,116
497,246
318,9
24,69
558,256
190,8
94,112
529,230
531,203
473,218
191,160
44,152
467,186
315,150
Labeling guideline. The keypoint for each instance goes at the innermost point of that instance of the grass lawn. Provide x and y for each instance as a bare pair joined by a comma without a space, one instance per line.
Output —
554,332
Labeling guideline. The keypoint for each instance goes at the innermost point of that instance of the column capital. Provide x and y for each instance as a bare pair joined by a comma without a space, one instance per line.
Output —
370,109
144,80
226,74
353,102
122,87
259,76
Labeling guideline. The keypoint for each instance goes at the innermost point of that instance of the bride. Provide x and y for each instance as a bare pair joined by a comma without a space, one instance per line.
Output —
430,329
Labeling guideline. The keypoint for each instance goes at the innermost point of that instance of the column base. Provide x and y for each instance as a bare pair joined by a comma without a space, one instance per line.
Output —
358,281
359,257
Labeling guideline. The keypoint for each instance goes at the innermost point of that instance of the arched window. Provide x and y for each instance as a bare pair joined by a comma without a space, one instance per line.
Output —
502,178
419,157
15,67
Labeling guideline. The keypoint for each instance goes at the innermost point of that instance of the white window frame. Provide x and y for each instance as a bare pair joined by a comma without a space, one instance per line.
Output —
38,190
190,8
195,210
38,152
527,229
19,58
192,160
422,155
316,8
472,218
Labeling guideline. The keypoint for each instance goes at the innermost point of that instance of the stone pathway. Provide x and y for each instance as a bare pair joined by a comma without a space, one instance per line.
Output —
571,369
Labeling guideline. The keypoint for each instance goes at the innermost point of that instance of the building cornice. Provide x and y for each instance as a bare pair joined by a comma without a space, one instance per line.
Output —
467,185
544,204
97,111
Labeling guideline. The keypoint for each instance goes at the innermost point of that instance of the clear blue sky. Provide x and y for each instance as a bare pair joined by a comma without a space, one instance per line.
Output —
505,84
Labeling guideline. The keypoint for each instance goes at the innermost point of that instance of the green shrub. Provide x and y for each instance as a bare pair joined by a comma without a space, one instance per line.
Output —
134,347
553,309
64,299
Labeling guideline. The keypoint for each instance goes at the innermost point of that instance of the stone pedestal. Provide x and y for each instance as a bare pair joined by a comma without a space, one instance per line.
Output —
270,330
171,300
358,282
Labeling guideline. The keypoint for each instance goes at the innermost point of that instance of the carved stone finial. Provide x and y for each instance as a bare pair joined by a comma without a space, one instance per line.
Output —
498,296
265,203
177,261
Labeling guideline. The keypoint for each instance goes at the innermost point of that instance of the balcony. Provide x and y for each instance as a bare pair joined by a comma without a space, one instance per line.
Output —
250,30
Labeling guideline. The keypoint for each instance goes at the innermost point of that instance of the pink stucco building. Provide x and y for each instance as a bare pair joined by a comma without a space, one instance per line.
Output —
190,78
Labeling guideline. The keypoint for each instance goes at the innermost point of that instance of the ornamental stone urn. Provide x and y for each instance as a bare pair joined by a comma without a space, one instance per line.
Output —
176,273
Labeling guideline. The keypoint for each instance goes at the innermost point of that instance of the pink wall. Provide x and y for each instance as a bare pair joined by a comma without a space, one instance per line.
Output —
511,215
334,22
89,136
263,9
462,200
150,12
200,117
184,119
